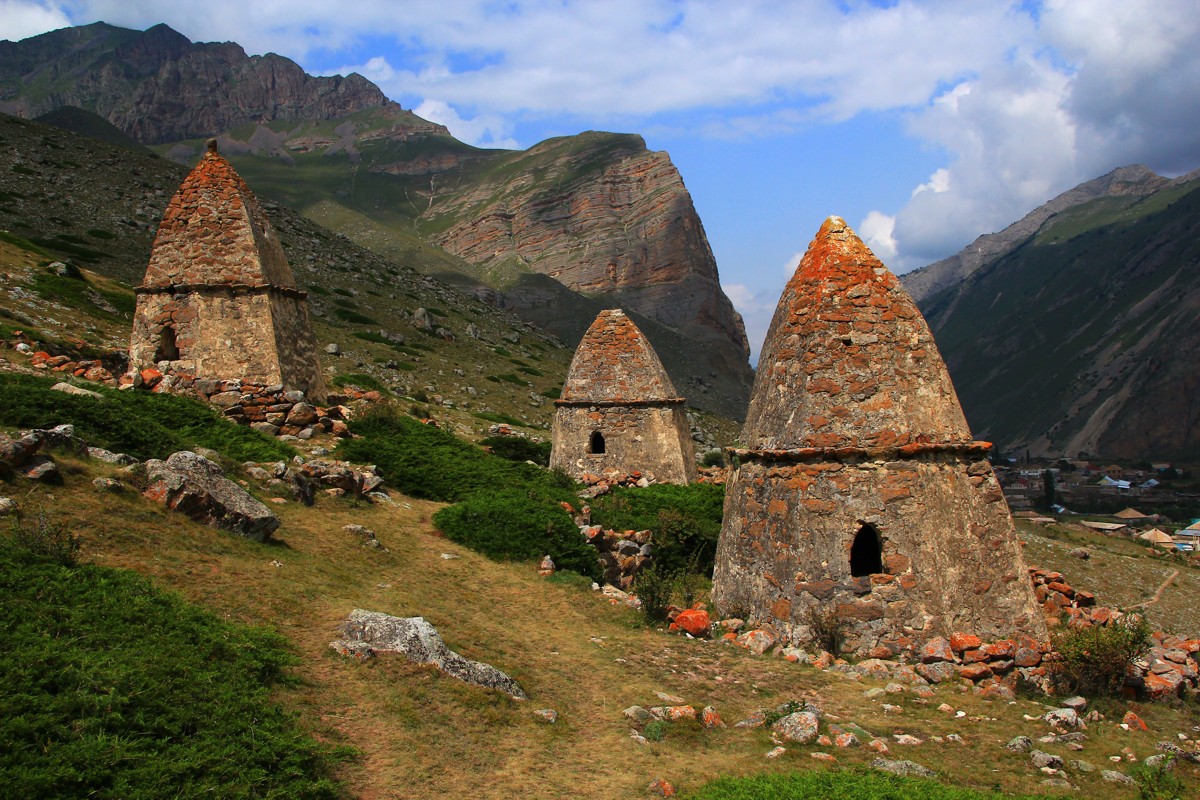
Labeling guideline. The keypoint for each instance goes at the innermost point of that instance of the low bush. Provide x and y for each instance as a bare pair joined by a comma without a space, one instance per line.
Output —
115,689
40,536
142,424
1096,660
843,784
686,521
360,380
519,524
518,448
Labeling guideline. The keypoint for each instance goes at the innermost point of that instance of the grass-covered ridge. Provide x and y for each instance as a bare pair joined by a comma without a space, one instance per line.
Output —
142,424
116,689
844,785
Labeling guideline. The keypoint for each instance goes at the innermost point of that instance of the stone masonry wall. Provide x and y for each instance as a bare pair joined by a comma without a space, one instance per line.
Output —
650,438
949,553
296,345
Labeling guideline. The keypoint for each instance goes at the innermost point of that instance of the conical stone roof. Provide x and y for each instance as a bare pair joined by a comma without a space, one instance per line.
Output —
214,232
849,361
614,363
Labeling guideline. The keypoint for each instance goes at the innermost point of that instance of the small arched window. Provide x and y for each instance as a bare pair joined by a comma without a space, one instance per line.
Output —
596,443
866,553
168,349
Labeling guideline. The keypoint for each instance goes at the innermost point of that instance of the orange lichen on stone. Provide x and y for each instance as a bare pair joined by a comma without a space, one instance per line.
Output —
860,488
618,409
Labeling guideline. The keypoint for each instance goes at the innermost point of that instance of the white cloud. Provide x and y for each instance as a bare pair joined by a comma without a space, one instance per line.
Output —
19,19
876,230
485,130
757,307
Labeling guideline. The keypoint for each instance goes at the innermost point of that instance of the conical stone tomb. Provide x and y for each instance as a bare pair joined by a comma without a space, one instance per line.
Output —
618,409
860,496
219,300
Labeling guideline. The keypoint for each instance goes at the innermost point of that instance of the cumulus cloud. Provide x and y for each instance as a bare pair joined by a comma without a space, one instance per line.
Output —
484,130
876,231
19,20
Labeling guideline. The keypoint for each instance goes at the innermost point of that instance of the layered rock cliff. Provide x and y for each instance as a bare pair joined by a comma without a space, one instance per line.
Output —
157,86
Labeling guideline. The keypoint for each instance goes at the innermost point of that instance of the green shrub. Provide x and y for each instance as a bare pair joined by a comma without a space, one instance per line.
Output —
713,458
353,317
1096,660
518,448
115,689
495,416
520,524
655,730
827,627
142,424
686,521
654,586
553,393
1158,782
367,383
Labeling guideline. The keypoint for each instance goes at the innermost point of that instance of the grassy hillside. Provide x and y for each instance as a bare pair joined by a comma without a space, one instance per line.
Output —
422,734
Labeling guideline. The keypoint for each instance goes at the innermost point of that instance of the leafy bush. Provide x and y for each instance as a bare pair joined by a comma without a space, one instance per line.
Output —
826,627
713,458
655,730
518,448
1096,660
142,424
519,524
686,521
654,586
115,689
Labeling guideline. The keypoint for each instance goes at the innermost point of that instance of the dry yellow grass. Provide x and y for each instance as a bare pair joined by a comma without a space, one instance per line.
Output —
424,735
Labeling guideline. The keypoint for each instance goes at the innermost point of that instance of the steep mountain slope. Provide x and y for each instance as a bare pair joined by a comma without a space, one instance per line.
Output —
601,215
64,196
1080,334
1124,185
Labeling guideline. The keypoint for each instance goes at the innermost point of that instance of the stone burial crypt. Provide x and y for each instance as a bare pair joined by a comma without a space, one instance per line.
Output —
859,492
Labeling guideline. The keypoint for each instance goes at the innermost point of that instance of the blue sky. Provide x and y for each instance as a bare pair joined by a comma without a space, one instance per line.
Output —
924,124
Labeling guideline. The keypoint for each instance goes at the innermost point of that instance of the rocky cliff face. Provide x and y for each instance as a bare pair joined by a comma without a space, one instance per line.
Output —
602,215
159,87
597,213
1125,182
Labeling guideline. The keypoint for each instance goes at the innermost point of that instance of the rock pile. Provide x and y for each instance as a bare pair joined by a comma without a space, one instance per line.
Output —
88,369
622,553
598,485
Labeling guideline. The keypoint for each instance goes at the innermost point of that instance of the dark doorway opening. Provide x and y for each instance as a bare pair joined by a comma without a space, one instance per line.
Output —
866,554
167,350
596,443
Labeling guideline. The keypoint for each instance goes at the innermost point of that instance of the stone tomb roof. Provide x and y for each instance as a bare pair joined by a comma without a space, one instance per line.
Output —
615,364
214,232
849,361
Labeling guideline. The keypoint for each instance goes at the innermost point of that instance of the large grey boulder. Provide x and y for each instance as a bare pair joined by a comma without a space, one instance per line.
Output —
193,485
420,642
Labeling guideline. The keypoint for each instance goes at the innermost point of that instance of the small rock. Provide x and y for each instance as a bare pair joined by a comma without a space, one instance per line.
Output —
1063,718
826,757
1079,552
108,485
546,567
1081,766
709,718
658,786
776,752
7,506
902,767
675,700
1112,776
333,349
1039,759
1019,744
546,715
906,739
637,714
800,727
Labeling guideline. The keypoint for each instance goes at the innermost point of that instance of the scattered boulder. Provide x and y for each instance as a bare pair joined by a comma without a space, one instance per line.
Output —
193,485
800,727
903,767
420,642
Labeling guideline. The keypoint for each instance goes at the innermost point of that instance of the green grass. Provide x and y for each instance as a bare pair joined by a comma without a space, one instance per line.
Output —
142,424
353,317
496,416
844,785
365,382
115,689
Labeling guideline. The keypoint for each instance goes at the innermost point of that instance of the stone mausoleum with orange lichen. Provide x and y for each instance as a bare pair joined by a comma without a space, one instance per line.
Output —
859,493
618,409
219,300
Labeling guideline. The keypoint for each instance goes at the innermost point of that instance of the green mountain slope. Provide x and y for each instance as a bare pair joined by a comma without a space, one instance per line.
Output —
1082,336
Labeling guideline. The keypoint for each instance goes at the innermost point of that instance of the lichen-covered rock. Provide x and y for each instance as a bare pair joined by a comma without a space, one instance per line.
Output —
903,767
193,485
420,642
800,726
